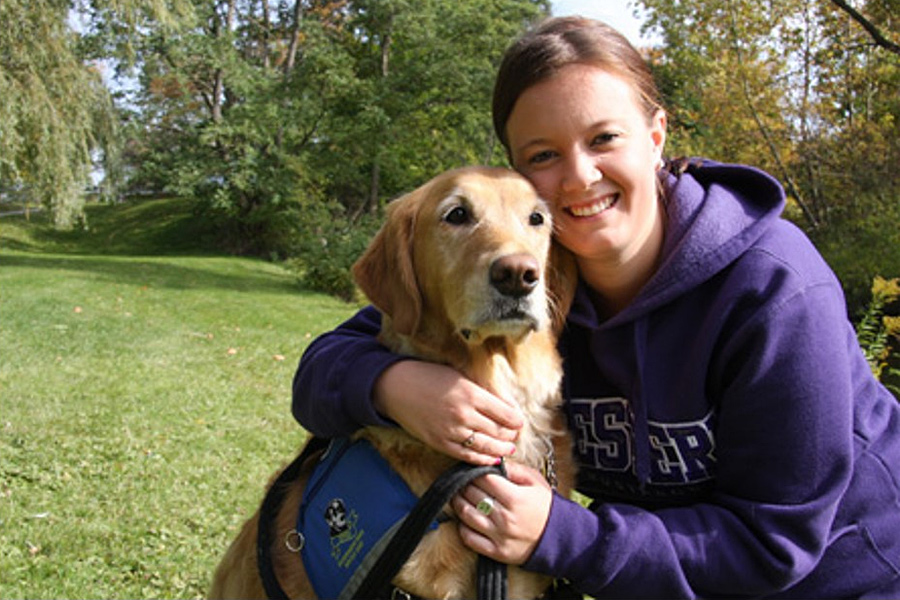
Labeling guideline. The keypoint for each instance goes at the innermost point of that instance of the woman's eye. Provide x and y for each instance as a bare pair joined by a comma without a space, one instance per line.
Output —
604,138
541,157
536,219
458,215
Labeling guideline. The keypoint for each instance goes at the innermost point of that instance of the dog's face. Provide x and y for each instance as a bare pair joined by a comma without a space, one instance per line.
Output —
469,249
336,517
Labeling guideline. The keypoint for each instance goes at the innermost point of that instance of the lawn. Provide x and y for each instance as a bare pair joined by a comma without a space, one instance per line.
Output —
144,401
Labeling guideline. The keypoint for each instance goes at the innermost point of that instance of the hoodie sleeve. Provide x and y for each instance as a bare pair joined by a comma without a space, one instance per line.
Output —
332,389
781,379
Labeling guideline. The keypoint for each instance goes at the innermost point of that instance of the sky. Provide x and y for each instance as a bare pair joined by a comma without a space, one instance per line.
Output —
613,12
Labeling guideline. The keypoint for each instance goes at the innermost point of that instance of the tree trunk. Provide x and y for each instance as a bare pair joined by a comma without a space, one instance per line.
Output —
218,93
374,184
295,39
266,30
792,189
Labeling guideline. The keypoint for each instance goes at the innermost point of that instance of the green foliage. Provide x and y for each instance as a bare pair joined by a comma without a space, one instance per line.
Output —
860,244
251,109
878,333
57,116
326,244
54,111
799,89
145,401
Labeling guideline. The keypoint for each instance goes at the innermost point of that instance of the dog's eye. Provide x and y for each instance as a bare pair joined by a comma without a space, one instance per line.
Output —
459,215
536,219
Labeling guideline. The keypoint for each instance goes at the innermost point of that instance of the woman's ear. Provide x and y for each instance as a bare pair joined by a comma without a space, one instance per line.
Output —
658,126
385,271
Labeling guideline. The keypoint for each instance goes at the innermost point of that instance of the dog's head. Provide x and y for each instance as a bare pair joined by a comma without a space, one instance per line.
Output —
336,517
468,251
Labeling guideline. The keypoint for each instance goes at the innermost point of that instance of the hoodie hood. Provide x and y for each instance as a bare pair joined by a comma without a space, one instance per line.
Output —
715,212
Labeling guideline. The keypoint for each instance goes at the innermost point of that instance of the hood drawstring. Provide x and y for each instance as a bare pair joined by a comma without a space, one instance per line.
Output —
639,407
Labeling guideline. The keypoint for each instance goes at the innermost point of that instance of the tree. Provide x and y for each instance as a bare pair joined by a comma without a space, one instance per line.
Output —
788,86
809,92
259,110
56,111
873,30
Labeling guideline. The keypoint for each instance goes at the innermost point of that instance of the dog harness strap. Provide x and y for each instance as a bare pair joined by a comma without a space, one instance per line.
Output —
267,513
377,581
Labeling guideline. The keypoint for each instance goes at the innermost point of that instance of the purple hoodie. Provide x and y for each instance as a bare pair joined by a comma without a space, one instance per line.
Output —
726,424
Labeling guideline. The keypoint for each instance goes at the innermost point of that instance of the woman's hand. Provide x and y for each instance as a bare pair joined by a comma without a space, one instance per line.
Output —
439,406
511,528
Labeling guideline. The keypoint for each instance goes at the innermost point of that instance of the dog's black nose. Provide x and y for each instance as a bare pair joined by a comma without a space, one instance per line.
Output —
515,275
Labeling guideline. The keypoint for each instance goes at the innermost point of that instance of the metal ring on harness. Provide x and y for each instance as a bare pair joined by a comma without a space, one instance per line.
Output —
290,544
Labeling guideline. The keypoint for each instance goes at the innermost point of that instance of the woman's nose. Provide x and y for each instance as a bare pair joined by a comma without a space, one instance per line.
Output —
581,172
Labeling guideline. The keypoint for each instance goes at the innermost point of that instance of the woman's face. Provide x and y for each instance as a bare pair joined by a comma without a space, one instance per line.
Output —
586,145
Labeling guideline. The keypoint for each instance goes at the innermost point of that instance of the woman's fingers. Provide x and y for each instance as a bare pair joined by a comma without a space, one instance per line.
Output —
450,413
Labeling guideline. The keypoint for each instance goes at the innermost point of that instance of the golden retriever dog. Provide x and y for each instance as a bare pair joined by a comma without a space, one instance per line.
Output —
462,274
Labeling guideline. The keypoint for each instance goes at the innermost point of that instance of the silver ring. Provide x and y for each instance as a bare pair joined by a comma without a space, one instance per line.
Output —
469,440
485,506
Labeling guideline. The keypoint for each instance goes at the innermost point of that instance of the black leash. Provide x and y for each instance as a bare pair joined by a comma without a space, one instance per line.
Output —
492,580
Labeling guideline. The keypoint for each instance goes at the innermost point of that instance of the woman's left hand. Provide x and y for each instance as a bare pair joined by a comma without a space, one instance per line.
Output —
511,529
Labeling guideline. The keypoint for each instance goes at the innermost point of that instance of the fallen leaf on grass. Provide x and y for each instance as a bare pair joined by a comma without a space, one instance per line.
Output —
232,351
278,357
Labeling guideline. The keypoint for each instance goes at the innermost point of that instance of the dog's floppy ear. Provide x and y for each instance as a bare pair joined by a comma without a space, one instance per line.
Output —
562,277
385,271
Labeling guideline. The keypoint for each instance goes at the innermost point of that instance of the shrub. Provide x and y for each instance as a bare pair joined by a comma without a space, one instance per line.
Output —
329,243
876,332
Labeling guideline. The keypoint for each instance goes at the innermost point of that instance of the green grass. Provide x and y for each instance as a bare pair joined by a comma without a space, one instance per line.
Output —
144,400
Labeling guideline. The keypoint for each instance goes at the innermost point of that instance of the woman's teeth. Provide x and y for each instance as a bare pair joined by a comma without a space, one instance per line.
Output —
594,208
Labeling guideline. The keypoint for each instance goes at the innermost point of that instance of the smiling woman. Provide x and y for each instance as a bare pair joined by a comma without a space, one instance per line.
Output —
707,335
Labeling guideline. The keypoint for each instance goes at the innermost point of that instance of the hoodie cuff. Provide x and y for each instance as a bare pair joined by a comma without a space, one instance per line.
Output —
570,529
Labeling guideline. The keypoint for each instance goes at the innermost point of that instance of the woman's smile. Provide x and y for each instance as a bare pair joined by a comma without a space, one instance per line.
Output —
593,208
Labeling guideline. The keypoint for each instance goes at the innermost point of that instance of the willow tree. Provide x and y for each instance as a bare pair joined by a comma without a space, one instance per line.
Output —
55,111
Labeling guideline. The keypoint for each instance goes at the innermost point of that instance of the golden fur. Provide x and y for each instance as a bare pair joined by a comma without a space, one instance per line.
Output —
429,272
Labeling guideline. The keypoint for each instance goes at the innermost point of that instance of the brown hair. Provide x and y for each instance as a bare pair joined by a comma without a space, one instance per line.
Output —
558,42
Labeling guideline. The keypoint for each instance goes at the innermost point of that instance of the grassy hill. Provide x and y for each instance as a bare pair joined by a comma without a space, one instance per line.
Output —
144,400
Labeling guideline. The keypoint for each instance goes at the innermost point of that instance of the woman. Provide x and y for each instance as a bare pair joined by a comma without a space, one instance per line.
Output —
726,424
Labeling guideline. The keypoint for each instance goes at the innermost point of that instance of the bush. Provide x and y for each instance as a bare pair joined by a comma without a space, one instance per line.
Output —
329,243
860,245
878,332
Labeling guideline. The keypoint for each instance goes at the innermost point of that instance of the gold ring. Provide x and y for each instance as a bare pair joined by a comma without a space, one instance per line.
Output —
469,440
485,506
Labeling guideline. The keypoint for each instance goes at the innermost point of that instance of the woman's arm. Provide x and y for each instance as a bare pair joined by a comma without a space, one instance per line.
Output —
332,389
347,380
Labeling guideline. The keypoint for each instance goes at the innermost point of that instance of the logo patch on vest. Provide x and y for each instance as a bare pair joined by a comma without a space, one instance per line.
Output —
346,539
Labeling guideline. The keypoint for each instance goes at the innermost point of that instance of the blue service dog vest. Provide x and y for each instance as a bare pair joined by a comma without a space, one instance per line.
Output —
351,500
